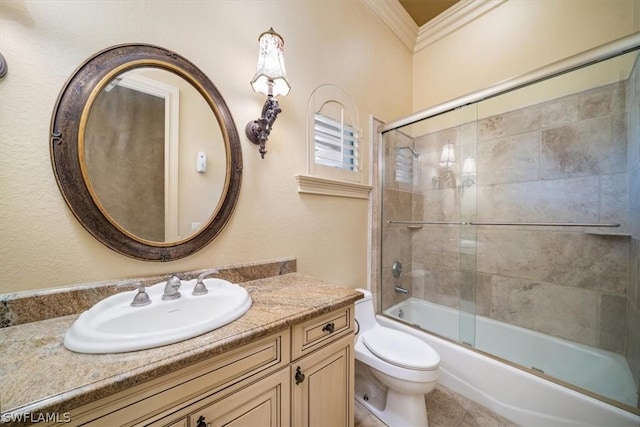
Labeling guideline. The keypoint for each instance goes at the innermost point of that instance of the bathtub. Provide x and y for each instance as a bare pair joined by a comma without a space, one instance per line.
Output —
518,395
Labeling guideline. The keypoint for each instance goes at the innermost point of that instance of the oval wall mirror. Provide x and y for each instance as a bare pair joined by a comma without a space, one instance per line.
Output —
145,152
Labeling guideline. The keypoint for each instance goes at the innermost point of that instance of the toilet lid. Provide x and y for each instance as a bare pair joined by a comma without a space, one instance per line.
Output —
400,349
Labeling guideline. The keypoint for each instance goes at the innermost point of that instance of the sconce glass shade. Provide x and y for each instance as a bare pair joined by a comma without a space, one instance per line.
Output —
469,167
271,75
448,157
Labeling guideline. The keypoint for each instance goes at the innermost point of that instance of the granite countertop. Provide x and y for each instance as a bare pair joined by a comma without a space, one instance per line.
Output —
39,375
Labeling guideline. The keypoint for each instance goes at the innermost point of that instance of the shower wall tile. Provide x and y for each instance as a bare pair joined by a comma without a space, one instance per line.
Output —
484,294
512,123
437,286
567,259
613,315
437,248
581,149
509,159
439,205
560,111
396,246
417,206
614,198
565,200
603,101
397,206
560,311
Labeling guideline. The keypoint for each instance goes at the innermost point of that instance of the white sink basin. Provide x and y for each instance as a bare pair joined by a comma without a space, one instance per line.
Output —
113,326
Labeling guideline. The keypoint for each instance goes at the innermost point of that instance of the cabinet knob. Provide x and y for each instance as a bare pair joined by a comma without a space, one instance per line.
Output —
329,327
299,377
201,422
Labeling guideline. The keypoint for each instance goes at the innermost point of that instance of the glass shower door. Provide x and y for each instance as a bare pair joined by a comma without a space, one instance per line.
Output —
428,246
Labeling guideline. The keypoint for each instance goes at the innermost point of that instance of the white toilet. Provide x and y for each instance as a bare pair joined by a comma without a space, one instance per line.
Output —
394,370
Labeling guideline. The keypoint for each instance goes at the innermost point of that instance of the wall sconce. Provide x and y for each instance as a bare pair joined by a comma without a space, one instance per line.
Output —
446,176
270,80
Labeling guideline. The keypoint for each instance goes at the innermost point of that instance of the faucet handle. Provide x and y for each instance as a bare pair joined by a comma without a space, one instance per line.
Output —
200,288
172,289
142,297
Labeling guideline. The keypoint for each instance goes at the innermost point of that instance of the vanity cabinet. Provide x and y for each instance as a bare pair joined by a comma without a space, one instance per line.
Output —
302,376
324,397
322,371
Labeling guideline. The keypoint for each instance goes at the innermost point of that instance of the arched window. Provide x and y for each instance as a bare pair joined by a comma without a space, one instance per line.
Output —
335,146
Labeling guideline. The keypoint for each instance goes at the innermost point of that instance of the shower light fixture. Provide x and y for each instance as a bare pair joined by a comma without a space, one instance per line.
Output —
270,80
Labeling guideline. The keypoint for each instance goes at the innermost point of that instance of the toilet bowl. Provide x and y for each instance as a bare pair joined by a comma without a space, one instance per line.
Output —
394,370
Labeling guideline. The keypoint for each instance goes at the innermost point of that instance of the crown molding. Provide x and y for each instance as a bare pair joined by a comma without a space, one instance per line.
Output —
459,15
396,18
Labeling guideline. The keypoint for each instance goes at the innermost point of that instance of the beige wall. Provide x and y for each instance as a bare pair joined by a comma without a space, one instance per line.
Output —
42,244
516,37
345,43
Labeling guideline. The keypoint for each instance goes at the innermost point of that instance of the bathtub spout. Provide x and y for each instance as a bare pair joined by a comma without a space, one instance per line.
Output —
401,290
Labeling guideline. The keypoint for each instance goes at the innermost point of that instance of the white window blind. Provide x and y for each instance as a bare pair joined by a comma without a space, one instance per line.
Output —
335,143
404,166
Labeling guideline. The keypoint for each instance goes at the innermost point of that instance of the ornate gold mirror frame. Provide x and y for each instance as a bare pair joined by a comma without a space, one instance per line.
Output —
66,144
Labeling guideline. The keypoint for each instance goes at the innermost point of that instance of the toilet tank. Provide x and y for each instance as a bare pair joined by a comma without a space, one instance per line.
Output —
365,314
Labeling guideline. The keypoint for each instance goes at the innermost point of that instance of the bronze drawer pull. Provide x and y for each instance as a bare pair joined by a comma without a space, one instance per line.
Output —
329,327
299,376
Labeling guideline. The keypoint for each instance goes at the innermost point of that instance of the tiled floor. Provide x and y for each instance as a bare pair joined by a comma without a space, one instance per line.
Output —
444,409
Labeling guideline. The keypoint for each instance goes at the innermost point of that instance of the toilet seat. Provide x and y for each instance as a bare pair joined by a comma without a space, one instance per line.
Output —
400,349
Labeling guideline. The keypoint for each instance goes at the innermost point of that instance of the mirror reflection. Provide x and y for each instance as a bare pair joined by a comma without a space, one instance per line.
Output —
146,153
154,155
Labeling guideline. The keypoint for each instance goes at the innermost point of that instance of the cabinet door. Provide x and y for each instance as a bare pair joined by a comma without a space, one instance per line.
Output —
322,386
264,403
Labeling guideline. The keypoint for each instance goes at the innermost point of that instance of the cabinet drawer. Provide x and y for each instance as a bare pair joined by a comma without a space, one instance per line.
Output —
264,403
155,400
321,330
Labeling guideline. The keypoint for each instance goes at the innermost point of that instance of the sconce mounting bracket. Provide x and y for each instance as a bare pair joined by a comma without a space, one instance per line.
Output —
258,130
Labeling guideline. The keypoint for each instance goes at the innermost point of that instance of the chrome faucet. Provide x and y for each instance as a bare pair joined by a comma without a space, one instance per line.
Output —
172,289
400,290
200,288
141,298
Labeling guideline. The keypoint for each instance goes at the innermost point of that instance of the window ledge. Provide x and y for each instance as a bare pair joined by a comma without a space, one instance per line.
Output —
330,187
